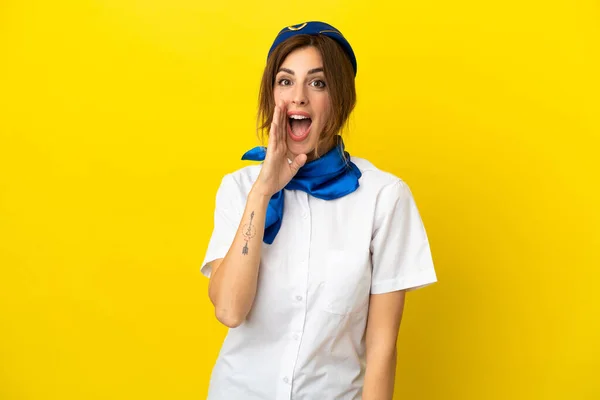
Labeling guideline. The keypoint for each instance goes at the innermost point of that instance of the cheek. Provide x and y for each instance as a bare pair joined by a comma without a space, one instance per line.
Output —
280,94
324,106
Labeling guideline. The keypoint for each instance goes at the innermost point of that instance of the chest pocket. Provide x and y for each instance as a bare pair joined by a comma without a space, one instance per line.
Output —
347,282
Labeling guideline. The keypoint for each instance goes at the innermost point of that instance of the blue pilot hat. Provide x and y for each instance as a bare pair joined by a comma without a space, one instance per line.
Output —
315,28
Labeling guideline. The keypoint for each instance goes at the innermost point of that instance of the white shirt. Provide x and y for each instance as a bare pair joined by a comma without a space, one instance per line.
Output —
304,336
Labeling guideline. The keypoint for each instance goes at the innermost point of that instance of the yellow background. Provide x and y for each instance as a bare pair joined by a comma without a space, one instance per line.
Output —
118,119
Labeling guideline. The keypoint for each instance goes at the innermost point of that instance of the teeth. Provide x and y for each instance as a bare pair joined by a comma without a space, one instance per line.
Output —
294,116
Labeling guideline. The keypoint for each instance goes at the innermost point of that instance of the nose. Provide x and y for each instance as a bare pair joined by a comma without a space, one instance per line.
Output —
299,98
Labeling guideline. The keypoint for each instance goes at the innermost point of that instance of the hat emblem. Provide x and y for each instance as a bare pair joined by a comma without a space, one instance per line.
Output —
297,27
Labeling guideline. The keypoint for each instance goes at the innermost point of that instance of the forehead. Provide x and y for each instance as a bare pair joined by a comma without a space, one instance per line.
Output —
304,58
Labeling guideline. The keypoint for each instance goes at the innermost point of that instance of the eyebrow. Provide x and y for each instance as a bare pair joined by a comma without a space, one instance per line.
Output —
311,71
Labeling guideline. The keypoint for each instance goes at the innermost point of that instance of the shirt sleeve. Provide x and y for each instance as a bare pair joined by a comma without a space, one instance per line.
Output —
400,252
229,208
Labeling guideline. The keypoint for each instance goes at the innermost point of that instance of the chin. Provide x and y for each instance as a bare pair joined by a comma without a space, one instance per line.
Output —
303,147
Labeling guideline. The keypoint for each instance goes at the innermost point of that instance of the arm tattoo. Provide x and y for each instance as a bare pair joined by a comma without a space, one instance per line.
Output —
249,232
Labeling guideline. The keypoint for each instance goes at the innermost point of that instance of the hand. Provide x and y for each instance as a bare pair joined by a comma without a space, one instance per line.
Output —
276,171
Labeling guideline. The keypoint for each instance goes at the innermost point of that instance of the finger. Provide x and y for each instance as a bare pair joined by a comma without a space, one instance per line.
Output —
284,122
274,129
298,162
272,138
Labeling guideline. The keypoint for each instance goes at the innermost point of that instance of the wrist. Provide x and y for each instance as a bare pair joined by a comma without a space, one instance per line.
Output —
259,193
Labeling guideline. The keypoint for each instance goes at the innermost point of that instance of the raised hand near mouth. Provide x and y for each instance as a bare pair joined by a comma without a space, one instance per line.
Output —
276,170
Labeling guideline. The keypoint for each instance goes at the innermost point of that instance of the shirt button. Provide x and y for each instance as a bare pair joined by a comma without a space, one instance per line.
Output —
304,215
286,380
299,298
296,337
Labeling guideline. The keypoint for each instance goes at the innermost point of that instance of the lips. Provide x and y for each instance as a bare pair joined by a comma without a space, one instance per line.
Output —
299,124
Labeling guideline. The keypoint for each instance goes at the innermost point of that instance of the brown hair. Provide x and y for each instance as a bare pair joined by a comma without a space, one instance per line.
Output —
339,76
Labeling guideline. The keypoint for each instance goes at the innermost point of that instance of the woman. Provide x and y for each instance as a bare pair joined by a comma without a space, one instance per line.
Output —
313,250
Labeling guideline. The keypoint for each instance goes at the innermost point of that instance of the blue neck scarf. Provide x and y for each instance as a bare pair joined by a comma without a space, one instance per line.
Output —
329,177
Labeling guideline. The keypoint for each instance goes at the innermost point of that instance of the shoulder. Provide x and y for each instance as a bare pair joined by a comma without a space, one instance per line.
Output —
377,181
390,196
244,177
237,184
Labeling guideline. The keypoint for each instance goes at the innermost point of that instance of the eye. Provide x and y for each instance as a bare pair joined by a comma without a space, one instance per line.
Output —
318,83
284,82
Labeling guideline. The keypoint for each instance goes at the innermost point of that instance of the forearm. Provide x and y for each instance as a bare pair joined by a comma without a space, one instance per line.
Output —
379,375
233,284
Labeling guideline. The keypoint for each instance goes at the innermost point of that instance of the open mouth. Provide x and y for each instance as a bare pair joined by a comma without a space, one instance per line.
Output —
299,126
